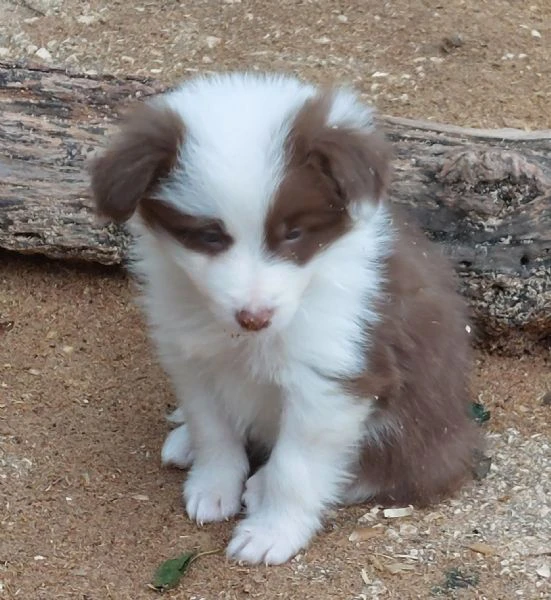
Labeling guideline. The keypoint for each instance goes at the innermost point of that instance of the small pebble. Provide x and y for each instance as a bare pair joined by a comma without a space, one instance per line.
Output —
544,571
140,497
87,19
450,43
212,41
43,54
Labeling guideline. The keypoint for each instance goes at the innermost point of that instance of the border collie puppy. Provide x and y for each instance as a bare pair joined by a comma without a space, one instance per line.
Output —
294,309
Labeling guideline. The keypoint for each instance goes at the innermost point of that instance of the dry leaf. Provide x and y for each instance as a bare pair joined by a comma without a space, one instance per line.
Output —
395,568
365,533
482,548
377,564
396,513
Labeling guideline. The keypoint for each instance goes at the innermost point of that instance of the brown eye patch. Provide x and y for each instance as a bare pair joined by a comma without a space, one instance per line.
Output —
329,167
200,234
306,216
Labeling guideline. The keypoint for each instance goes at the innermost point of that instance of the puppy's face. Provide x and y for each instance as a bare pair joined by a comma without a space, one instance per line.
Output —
249,215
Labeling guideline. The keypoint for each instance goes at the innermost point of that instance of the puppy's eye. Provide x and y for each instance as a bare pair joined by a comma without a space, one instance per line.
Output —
211,237
291,235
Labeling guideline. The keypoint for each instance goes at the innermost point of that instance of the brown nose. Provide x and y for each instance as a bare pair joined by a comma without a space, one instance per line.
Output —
254,321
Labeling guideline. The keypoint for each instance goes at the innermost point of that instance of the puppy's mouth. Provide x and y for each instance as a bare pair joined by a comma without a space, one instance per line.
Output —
242,333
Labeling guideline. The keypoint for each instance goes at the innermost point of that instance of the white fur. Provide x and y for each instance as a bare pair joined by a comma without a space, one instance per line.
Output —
279,386
177,450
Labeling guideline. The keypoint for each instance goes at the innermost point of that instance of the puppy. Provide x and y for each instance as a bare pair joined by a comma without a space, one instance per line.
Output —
293,308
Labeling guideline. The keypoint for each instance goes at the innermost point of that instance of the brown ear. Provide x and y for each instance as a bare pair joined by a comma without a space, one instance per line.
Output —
144,151
358,162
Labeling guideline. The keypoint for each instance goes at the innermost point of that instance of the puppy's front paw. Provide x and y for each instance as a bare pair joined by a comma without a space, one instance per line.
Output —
177,448
213,494
269,540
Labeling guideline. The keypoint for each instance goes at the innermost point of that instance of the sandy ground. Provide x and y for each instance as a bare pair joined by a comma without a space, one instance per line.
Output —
473,62
86,510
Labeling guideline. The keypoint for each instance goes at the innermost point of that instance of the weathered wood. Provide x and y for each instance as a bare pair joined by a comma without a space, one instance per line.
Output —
50,122
484,195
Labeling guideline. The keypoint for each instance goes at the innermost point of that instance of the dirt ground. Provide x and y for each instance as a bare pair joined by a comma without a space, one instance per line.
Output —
86,510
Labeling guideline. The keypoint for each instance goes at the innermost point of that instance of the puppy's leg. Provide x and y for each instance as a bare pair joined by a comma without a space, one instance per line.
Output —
177,448
320,433
253,496
212,491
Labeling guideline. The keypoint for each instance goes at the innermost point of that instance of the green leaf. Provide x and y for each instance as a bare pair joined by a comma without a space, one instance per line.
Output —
479,413
169,573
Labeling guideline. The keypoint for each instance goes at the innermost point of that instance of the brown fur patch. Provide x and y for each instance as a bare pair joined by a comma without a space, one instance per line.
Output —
196,233
419,371
327,169
144,151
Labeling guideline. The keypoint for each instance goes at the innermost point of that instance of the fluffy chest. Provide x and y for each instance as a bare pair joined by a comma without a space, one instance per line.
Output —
247,393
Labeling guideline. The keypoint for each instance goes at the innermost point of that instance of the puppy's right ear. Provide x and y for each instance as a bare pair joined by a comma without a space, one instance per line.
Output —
144,151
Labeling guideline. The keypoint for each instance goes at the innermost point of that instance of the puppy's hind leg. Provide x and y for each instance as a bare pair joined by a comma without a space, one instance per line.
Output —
177,451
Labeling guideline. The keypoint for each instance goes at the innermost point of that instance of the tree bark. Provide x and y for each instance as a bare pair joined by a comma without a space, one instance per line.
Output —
484,195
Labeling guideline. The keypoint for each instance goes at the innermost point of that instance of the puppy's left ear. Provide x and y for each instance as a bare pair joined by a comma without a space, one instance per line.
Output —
357,162
144,151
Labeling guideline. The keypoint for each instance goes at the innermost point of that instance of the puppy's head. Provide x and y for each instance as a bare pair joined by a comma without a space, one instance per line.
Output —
246,185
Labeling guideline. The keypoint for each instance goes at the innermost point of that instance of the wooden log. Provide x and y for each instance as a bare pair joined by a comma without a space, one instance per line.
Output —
484,195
